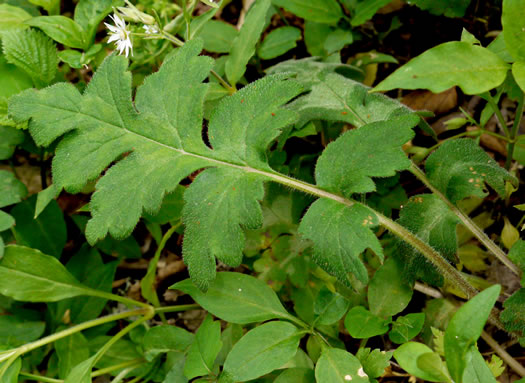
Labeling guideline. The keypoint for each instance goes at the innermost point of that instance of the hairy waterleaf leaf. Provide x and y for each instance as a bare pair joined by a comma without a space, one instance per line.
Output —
236,298
30,276
389,292
11,189
204,349
12,17
449,8
362,324
46,233
513,317
473,68
89,14
465,328
262,350
278,42
165,338
460,169
71,351
321,11
513,28
365,10
338,98
61,29
339,366
408,354
430,219
406,327
340,233
374,361
243,47
348,164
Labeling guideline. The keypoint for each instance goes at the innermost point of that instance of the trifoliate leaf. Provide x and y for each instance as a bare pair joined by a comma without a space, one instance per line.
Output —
158,141
340,233
460,169
347,164
430,219
32,51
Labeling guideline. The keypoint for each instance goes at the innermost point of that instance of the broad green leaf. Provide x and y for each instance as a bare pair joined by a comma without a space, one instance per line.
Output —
449,8
513,317
71,351
12,17
465,328
430,219
513,28
30,276
296,375
11,189
61,29
499,47
340,99
340,233
518,71
337,40
81,373
375,361
321,11
236,298
460,169
329,307
477,370
406,327
347,165
32,51
339,366
243,47
366,9
262,350
388,291
12,372
407,356
15,330
89,14
204,349
165,338
473,68
315,35
362,324
278,42
46,233
218,36
432,364
175,373
6,221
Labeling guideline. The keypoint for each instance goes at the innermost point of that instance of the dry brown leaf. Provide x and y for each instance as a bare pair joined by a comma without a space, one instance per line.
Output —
425,100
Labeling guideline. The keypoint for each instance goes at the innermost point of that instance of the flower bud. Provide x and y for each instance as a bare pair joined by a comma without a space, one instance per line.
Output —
130,12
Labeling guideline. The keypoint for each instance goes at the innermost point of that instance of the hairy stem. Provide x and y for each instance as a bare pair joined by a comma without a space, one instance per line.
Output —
469,224
507,358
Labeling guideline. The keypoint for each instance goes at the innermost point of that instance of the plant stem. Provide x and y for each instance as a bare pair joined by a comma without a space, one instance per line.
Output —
224,83
499,116
174,309
469,224
129,363
507,358
514,132
39,378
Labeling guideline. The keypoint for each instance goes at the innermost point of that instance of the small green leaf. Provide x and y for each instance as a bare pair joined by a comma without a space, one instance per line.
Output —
12,372
518,71
61,29
362,324
320,11
278,42
329,307
339,366
15,330
465,328
496,365
432,364
374,361
513,28
11,137
165,338
44,198
366,9
296,375
406,327
340,233
6,221
89,14
11,189
71,351
460,169
236,298
449,8
337,40
243,47
218,36
474,69
408,354
12,17
81,373
477,370
30,276
46,233
204,349
389,292
262,350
